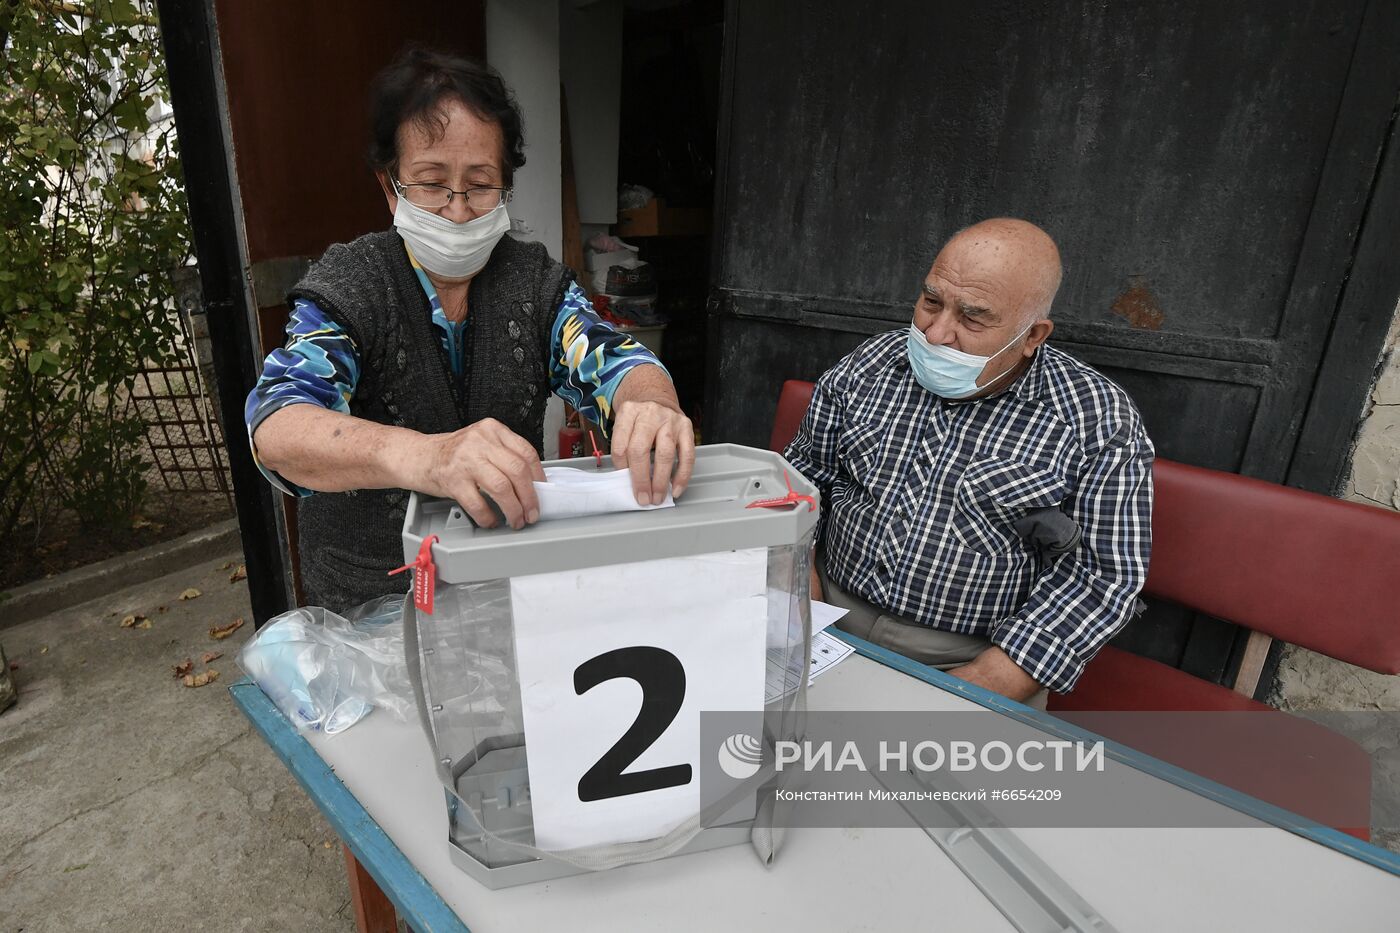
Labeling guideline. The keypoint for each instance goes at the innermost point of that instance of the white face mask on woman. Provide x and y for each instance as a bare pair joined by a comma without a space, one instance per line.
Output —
451,250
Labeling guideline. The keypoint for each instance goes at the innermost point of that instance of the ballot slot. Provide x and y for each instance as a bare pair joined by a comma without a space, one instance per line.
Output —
563,667
738,480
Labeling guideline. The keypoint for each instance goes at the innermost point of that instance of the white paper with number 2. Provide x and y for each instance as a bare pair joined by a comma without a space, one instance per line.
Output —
708,611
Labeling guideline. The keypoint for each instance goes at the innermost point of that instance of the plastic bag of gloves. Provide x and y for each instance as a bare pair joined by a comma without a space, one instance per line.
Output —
326,672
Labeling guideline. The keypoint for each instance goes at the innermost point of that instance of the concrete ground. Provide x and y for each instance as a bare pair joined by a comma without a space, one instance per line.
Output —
129,802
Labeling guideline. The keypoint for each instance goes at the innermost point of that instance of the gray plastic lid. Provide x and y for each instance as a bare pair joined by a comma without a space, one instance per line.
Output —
711,516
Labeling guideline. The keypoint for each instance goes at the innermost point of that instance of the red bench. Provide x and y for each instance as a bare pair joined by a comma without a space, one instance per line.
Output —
1283,563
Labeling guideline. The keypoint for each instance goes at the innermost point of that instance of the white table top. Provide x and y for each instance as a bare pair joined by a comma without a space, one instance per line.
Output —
876,879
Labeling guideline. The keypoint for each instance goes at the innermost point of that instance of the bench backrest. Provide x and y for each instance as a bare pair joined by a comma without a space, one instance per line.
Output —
793,402
1302,567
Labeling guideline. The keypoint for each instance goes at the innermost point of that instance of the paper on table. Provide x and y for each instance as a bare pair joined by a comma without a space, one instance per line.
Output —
786,625
570,493
823,614
827,652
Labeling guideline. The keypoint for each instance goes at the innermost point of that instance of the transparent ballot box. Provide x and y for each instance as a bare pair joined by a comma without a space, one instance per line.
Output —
562,670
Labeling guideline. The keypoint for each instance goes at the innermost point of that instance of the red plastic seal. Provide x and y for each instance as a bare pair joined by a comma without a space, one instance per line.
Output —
424,577
792,498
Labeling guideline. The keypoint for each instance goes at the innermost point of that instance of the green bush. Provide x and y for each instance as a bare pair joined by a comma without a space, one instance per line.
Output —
92,224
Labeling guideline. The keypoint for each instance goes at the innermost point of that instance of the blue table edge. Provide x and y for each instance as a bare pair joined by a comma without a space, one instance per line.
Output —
416,901
419,904
1237,800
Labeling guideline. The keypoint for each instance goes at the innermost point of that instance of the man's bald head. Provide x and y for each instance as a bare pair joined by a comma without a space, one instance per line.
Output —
989,294
1017,256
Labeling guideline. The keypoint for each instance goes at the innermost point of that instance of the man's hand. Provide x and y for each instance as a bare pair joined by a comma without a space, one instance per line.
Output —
485,457
995,670
642,427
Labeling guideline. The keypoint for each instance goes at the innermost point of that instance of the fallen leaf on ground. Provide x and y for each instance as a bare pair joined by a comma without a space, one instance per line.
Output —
183,668
224,631
240,574
144,623
131,620
199,680
226,565
140,523
45,649
191,593
210,656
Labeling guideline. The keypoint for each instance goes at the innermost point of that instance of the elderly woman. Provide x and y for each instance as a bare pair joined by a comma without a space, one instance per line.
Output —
419,358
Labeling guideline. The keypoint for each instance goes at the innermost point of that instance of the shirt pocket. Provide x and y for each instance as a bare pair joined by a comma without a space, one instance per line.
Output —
992,494
860,451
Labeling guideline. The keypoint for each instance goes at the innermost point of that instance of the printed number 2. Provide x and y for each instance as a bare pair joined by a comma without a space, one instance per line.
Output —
662,679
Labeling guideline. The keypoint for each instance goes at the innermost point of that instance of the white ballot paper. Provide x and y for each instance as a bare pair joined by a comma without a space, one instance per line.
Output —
570,493
827,652
616,664
826,649
823,614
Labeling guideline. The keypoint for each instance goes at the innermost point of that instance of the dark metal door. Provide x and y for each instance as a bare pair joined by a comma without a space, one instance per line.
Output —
1205,167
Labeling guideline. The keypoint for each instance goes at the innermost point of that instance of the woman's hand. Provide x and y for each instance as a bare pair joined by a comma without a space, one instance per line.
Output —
485,457
649,418
644,426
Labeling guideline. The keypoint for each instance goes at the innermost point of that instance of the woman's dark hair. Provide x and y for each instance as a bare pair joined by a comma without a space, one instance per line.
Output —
413,87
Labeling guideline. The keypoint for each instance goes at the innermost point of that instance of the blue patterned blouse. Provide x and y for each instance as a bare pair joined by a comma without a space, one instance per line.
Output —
320,364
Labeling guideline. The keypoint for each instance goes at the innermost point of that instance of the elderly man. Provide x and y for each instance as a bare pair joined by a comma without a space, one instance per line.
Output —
988,498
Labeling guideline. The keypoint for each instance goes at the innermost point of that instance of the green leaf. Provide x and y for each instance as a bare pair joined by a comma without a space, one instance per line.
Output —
83,285
123,12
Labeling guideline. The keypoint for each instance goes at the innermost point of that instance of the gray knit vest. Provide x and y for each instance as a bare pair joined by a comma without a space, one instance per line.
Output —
349,541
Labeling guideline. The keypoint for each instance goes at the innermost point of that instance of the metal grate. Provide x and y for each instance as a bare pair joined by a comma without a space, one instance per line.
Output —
183,435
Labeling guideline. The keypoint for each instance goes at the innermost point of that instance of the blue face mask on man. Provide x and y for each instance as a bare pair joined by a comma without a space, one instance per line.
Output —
951,373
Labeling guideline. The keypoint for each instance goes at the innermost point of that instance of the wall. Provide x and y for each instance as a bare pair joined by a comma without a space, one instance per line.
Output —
1375,476
590,61
522,43
298,82
1307,680
1207,280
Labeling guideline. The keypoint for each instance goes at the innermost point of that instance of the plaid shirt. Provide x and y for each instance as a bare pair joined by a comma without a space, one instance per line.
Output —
920,494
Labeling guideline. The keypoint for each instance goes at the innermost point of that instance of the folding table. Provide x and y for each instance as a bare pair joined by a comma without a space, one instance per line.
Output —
376,785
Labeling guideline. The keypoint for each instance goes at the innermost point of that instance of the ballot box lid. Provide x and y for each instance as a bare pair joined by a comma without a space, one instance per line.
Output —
714,514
